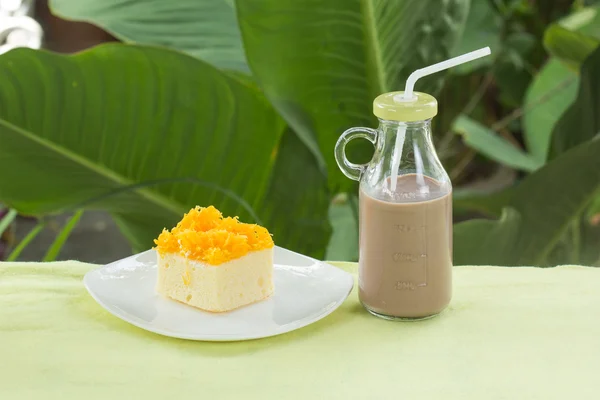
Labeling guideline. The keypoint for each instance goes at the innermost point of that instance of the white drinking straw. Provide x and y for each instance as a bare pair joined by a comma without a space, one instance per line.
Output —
408,96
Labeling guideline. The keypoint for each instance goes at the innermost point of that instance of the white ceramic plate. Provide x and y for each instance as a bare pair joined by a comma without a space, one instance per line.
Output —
306,290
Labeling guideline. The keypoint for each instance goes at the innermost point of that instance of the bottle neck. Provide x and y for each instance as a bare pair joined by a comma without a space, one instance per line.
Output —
414,134
407,149
391,127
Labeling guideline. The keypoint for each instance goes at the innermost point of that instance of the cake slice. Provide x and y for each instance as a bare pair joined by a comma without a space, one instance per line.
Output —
213,263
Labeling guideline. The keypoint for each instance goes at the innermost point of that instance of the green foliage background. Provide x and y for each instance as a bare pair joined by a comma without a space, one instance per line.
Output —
239,104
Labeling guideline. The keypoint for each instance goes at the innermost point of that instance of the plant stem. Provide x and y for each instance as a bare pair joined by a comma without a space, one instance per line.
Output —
506,134
478,95
468,109
501,124
62,237
26,240
535,103
462,164
7,220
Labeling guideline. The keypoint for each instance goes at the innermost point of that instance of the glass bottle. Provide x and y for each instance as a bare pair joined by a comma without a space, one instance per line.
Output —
405,238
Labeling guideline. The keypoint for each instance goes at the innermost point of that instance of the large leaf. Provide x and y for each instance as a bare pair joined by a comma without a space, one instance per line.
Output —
585,21
297,199
206,29
551,198
493,146
569,46
581,121
546,203
487,242
147,133
553,90
322,62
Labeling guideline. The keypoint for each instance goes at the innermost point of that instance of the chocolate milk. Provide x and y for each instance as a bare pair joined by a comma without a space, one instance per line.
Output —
406,249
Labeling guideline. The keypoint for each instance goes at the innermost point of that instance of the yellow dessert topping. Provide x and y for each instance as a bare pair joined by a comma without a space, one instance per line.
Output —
204,235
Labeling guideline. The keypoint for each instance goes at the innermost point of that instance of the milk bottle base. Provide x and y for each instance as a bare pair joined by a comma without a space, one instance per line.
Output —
396,318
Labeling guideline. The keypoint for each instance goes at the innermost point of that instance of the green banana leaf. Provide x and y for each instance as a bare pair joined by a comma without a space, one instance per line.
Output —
585,20
344,54
493,146
487,242
295,208
206,29
539,213
581,121
553,90
569,46
146,134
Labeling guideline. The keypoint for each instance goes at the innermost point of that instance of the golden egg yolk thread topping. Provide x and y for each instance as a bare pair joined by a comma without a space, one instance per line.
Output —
204,235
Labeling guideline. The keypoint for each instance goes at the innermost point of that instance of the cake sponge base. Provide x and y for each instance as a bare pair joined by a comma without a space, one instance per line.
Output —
216,288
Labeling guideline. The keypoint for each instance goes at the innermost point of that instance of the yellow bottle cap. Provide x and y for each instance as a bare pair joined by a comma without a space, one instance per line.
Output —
393,107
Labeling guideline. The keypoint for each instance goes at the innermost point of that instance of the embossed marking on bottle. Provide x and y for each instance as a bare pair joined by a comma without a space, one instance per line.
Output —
405,285
404,257
405,228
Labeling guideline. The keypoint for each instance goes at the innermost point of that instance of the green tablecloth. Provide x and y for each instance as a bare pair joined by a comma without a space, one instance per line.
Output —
510,333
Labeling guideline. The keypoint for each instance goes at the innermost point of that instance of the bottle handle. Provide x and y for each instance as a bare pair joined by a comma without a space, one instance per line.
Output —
351,170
